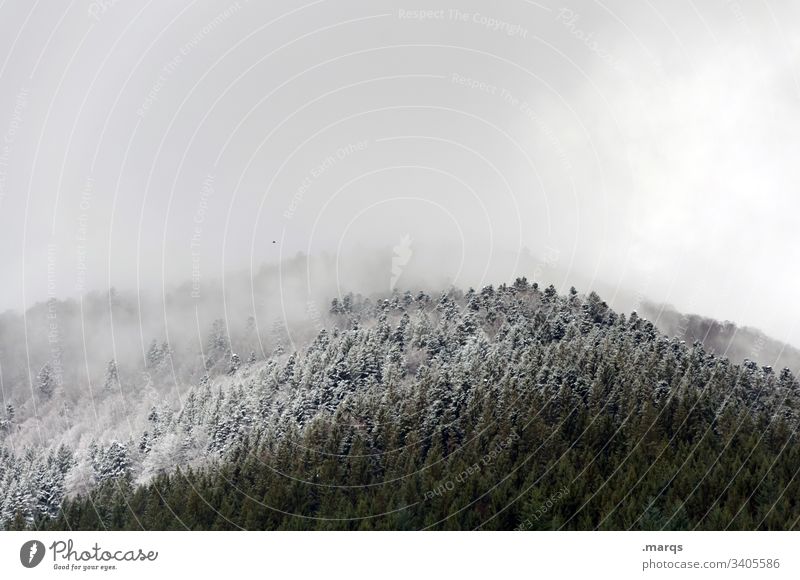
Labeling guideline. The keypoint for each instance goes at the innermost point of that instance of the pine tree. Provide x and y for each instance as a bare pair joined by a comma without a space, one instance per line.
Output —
111,381
7,421
154,355
234,364
217,345
113,462
46,381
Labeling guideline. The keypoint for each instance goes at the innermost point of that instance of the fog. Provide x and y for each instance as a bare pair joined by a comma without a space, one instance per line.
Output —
166,149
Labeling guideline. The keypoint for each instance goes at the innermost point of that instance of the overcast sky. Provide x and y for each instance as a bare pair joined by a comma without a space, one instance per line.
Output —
650,146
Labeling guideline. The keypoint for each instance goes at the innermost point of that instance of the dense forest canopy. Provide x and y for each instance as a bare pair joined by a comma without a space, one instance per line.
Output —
509,407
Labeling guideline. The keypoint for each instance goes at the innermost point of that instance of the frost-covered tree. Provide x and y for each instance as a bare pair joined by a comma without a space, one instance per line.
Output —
7,421
218,346
235,364
112,462
111,380
46,381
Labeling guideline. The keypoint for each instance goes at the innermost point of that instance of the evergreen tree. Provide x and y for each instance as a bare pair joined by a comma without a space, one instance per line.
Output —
111,381
46,381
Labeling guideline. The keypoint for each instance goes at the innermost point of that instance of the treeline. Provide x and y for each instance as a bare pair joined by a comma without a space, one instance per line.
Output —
723,338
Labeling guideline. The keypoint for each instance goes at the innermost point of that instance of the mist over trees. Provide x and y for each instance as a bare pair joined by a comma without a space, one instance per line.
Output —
509,407
723,338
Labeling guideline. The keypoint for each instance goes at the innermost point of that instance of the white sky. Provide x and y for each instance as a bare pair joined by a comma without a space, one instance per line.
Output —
650,146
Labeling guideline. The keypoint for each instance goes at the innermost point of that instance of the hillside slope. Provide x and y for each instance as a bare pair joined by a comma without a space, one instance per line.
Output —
506,408
723,338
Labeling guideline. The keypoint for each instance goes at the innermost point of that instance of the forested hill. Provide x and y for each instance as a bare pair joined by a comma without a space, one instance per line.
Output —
506,408
723,338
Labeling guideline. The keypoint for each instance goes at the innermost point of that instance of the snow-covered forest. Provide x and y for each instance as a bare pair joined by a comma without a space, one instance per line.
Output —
454,409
